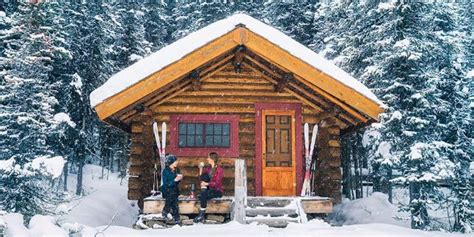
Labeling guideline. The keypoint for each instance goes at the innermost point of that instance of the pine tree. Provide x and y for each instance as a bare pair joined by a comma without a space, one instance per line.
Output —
28,106
453,89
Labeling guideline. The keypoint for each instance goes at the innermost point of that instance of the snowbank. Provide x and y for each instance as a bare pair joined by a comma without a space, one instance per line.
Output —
15,225
104,198
7,165
44,226
177,50
373,209
64,118
52,166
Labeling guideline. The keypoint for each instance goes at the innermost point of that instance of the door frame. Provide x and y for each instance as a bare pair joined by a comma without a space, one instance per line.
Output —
259,109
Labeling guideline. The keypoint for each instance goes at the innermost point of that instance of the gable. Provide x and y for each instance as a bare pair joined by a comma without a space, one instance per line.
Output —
316,73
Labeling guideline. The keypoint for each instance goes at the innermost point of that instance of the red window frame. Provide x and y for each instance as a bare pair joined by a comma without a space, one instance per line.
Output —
232,151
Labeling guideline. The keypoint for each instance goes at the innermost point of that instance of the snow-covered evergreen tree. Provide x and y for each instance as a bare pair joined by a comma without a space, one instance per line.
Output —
27,106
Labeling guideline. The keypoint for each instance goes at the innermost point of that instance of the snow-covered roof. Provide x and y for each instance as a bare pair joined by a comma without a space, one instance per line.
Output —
177,50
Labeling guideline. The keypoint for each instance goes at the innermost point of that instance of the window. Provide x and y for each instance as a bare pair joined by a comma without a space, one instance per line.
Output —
204,134
195,135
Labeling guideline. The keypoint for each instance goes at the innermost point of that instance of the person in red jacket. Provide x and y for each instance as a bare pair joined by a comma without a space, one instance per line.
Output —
211,184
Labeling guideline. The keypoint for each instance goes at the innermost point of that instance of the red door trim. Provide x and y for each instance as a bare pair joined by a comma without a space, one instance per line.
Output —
258,141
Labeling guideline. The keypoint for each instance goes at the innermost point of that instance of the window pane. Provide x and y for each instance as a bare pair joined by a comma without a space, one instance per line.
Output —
190,141
199,141
209,140
204,134
182,128
226,129
270,119
209,128
191,127
225,141
182,141
217,141
218,128
199,128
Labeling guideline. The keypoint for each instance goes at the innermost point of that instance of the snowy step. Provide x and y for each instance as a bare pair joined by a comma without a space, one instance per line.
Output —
272,212
268,202
273,222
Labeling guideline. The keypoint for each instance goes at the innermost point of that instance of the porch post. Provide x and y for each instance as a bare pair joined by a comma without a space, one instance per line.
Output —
240,196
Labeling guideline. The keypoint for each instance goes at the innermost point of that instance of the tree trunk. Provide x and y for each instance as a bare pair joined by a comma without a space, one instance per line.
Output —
356,157
376,177
419,213
389,184
79,177
346,169
66,173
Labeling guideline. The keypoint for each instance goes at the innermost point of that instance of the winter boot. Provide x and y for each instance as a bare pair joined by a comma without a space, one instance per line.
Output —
164,214
177,221
201,216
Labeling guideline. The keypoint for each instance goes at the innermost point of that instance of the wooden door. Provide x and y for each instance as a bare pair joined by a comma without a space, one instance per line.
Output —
278,158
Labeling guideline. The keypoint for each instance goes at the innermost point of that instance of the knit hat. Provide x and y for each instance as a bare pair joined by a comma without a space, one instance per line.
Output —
170,159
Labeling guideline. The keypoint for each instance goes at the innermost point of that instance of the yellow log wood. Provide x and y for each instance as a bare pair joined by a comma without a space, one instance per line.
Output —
282,58
166,75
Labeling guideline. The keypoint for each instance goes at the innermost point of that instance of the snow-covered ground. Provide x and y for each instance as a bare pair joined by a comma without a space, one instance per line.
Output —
105,197
373,209
371,216
312,228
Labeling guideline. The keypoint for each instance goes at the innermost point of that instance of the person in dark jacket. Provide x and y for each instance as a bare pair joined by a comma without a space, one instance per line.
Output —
171,179
211,184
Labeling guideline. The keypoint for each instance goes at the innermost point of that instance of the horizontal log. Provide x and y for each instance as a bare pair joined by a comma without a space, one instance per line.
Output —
330,174
136,170
247,152
134,194
334,130
231,100
204,108
335,152
241,80
137,127
334,143
235,93
317,206
216,206
311,119
334,162
134,183
136,150
136,160
237,86
160,118
246,119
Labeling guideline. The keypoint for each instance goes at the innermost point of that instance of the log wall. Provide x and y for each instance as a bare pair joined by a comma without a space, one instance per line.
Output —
226,92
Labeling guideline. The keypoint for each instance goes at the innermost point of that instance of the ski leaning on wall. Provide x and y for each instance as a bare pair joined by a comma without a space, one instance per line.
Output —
309,150
161,145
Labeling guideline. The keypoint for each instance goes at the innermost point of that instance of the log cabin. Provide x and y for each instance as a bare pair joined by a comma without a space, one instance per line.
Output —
243,89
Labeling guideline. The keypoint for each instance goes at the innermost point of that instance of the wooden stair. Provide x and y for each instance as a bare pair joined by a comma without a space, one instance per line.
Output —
274,212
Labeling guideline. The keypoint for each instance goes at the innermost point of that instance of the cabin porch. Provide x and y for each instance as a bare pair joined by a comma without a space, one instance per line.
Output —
271,211
224,205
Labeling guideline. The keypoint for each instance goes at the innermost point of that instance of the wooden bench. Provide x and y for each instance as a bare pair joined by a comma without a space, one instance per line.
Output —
223,205
154,205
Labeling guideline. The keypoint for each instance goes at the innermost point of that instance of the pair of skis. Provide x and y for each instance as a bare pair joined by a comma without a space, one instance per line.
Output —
309,150
161,145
